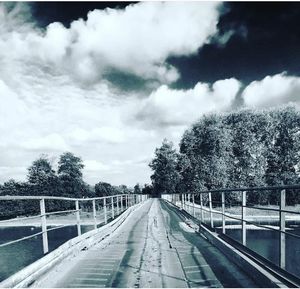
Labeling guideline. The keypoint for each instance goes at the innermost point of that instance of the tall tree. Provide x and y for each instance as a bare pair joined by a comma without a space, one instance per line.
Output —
137,189
71,166
284,152
212,151
248,148
165,176
70,175
41,177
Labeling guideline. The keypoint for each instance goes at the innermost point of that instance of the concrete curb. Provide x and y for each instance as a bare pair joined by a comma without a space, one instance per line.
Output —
243,261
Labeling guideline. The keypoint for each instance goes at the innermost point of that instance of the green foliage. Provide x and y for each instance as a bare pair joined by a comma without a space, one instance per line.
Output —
147,190
246,148
70,166
70,175
44,181
137,189
105,189
165,177
41,178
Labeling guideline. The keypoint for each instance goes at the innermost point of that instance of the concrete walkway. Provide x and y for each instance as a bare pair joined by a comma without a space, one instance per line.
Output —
152,248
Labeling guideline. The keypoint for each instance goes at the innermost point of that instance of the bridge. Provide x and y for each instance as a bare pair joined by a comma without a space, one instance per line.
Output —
178,241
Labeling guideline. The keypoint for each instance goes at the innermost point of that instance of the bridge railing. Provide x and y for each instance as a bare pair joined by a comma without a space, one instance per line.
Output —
84,211
220,209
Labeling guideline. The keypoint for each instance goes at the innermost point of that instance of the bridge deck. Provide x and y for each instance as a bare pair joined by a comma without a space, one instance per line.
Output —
152,248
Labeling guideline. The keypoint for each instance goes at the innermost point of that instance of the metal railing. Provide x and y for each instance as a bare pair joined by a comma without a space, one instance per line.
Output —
107,207
215,202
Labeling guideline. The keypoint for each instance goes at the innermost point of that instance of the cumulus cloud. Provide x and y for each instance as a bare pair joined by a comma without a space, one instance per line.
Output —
135,40
273,90
47,106
167,106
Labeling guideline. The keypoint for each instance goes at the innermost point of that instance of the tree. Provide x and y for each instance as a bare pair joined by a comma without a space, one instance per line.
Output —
137,189
283,153
147,190
165,176
124,189
71,166
70,175
212,152
103,189
41,177
10,209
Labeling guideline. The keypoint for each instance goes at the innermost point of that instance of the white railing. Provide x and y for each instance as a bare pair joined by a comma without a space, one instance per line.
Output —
186,201
106,208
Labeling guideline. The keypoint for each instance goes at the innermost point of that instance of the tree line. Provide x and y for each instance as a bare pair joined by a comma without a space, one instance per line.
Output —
66,181
246,148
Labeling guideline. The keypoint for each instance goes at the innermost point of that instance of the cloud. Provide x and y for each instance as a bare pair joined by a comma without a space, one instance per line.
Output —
273,90
58,86
94,166
108,134
51,142
135,40
166,106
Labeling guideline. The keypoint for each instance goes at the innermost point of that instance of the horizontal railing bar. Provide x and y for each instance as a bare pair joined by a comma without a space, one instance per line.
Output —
59,227
248,189
263,209
257,208
12,198
60,212
16,198
21,239
34,235
251,223
273,209
20,219
273,229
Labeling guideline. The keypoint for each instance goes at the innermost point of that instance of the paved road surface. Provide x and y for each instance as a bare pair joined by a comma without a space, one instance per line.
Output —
152,248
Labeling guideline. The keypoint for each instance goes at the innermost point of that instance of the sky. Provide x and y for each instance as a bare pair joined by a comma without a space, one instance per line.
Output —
109,81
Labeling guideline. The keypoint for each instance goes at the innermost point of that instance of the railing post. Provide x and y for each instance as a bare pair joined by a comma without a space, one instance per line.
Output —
126,201
112,208
44,226
201,207
78,217
210,210
105,211
223,213
193,198
118,212
182,201
282,229
121,203
94,214
244,202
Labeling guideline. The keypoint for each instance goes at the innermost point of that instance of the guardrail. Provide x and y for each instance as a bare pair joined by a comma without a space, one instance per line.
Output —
108,207
206,204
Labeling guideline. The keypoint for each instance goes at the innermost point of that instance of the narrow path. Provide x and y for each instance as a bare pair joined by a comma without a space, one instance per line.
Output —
152,248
